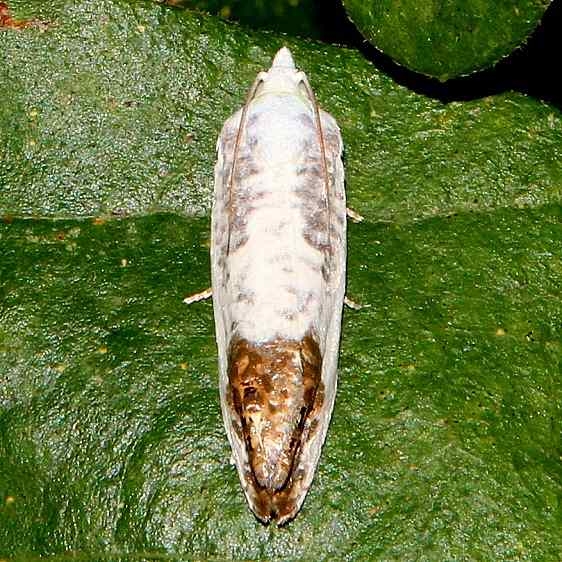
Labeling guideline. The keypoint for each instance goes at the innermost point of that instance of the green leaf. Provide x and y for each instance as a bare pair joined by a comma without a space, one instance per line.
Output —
446,39
445,442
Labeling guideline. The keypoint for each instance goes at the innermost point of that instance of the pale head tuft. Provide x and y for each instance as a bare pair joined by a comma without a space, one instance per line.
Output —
283,59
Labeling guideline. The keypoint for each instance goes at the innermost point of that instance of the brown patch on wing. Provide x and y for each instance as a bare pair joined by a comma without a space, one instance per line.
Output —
275,392
312,188
243,193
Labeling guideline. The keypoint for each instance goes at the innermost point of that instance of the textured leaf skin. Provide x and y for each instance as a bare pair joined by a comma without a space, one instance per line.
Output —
444,38
89,127
445,442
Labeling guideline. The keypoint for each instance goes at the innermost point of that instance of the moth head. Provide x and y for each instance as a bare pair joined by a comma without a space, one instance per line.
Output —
283,59
283,78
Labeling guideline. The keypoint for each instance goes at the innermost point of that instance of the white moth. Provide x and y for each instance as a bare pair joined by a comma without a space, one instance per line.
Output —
278,252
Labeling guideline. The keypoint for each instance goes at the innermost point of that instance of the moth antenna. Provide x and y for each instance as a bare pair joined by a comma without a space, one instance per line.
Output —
243,115
323,160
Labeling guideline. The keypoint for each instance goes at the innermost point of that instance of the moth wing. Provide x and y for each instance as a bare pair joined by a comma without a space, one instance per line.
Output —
335,290
335,293
329,330
226,144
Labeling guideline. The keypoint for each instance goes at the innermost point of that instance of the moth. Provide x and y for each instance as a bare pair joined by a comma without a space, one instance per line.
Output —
278,254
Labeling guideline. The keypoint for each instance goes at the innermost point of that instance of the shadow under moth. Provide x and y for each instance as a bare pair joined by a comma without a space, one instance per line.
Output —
278,254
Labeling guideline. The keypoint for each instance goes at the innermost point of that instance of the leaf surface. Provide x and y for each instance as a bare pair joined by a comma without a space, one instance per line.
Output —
445,441
446,39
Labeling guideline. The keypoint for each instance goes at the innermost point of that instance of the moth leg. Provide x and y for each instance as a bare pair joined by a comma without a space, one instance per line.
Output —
354,305
354,215
196,297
